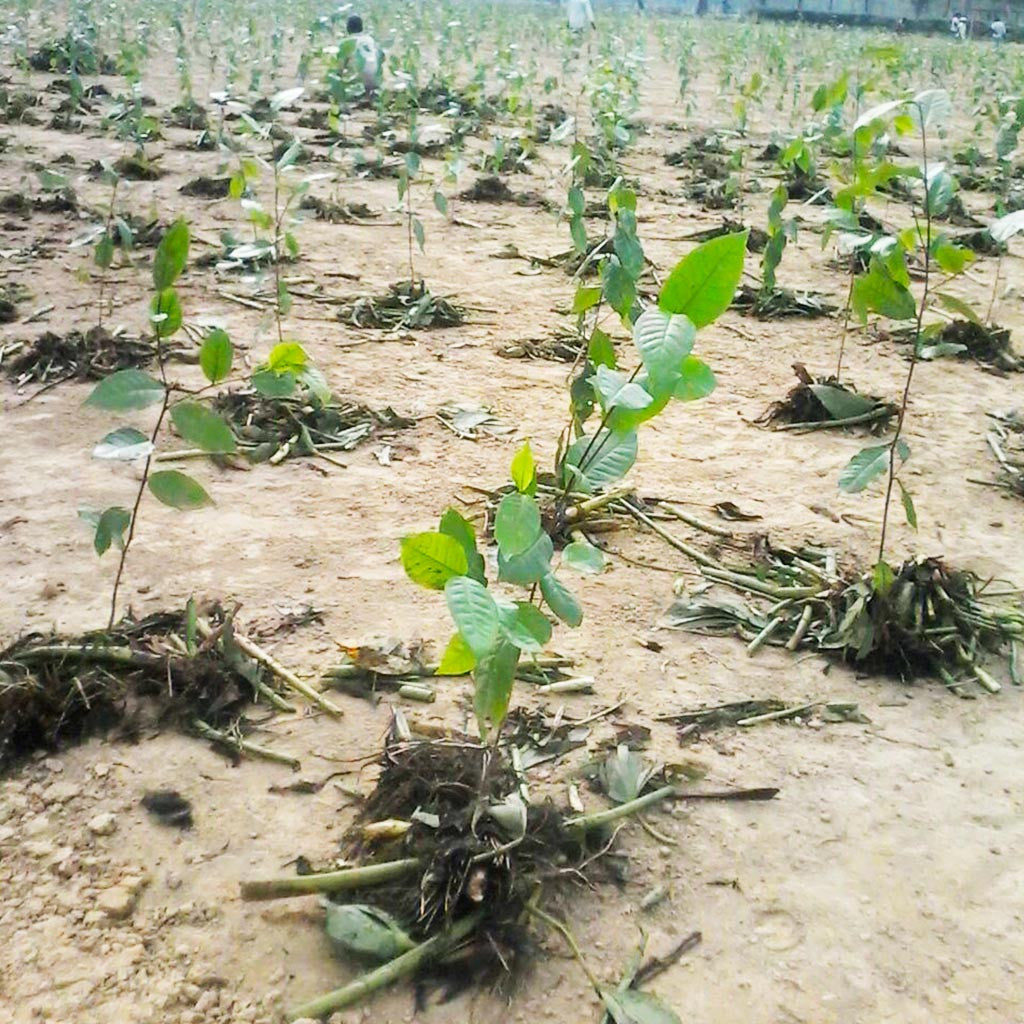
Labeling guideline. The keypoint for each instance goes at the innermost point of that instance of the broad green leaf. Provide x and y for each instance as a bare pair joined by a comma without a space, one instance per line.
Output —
696,380
939,192
126,390
103,254
882,578
516,524
289,156
955,305
616,391
561,600
595,460
524,625
902,450
171,256
878,292
417,230
178,490
524,470
365,931
631,1006
461,529
930,107
624,774
865,466
619,286
908,505
527,568
273,385
663,340
475,614
1003,229
839,403
109,527
432,559
627,245
577,201
877,113
583,556
457,660
123,444
313,379
493,680
216,356
203,428
584,299
703,284
441,203
287,357
952,258
165,313
601,349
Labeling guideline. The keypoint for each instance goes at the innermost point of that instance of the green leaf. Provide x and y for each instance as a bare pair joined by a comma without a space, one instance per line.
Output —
631,1006
124,445
524,470
475,614
624,774
955,305
126,390
616,391
561,600
457,660
417,230
663,340
952,258
461,529
203,428
365,931
171,256
178,490
103,254
312,379
864,467
440,203
930,106
908,505
516,524
528,567
839,403
524,625
284,299
584,299
109,527
578,233
939,192
627,245
432,559
596,460
165,313
882,578
601,349
273,385
703,284
583,556
289,156
877,291
619,286
287,357
216,356
494,678
696,380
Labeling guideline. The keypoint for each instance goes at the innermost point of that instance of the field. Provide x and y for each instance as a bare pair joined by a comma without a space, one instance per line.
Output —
304,323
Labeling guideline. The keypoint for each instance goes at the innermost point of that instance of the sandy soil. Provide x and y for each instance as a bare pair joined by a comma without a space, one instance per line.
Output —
881,885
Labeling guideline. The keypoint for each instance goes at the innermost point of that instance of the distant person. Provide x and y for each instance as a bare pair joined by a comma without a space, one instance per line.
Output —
366,55
581,15
958,26
998,30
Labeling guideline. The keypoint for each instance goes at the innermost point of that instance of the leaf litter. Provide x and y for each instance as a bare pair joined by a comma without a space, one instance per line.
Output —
407,305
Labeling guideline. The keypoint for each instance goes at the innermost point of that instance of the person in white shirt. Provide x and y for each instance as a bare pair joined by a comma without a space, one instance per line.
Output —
581,14
999,30
366,54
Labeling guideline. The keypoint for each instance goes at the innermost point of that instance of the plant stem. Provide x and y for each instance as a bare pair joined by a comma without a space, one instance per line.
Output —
243,746
138,495
394,970
846,322
687,549
917,337
328,881
587,822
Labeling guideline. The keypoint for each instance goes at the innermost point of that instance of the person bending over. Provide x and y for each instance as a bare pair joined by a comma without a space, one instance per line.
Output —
365,56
